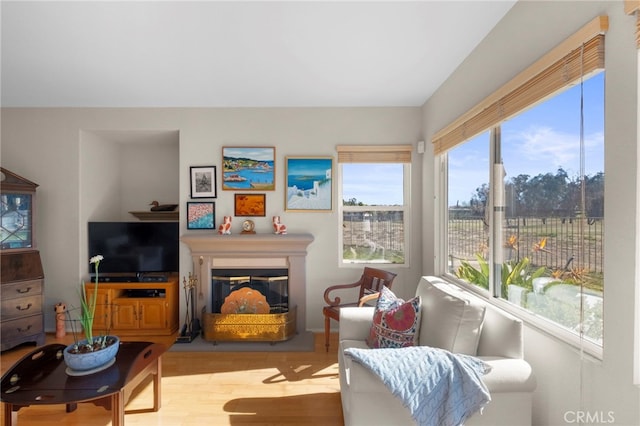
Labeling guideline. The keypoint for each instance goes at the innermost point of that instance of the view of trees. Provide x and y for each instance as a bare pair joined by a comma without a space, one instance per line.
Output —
352,202
547,195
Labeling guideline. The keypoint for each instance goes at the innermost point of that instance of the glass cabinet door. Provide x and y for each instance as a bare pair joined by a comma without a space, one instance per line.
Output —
16,221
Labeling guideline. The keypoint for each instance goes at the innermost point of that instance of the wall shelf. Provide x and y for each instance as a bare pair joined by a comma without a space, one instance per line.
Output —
175,215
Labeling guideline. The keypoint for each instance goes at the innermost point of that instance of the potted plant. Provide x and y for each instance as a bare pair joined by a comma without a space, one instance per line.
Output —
91,353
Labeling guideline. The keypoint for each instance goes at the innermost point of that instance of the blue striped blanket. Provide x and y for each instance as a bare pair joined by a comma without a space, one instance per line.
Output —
438,387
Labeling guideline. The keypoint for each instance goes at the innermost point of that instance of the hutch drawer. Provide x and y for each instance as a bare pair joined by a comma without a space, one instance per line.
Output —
22,330
21,307
20,289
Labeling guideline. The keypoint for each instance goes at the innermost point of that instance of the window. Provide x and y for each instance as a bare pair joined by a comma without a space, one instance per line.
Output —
525,197
468,191
549,235
374,211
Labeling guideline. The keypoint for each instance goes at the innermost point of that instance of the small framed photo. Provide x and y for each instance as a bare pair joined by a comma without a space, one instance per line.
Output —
309,184
203,181
248,168
250,205
201,215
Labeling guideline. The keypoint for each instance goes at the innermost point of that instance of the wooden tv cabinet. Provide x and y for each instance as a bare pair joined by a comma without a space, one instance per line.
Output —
136,308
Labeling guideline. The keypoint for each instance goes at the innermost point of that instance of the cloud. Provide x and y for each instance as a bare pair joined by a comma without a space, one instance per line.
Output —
542,149
534,150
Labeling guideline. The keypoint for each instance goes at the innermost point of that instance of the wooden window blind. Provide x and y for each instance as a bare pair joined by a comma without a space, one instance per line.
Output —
581,54
631,7
374,153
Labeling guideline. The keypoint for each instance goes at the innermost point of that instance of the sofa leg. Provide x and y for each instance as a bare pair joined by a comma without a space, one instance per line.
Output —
327,330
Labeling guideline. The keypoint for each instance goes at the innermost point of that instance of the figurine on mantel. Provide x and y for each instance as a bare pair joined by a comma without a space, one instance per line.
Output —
225,226
157,207
279,228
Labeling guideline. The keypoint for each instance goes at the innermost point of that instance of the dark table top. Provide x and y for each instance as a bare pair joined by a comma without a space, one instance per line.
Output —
40,377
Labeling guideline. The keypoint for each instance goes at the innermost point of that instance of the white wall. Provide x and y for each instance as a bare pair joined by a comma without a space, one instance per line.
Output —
566,382
149,171
123,171
75,158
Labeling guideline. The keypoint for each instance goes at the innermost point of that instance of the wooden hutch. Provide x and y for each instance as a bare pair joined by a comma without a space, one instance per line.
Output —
22,277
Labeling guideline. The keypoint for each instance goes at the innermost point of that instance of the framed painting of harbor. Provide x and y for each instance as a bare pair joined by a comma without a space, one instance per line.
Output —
309,184
250,205
203,181
248,168
201,215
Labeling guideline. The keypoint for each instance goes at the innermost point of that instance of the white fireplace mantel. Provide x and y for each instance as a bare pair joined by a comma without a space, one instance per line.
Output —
251,251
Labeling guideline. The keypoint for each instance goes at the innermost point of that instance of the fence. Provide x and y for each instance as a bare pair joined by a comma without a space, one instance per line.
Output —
570,242
377,230
384,231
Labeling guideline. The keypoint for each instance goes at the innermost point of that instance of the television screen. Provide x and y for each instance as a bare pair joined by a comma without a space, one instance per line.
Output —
134,247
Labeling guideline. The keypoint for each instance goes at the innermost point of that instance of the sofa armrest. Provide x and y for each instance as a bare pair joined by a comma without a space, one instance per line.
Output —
355,322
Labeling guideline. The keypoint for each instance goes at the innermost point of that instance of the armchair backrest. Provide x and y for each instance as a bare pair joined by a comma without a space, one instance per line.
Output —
373,279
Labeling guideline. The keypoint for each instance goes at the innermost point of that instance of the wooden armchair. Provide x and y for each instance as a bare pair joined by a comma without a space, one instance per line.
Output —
369,283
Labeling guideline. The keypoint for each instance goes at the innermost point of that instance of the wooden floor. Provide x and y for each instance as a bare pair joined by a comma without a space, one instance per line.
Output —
218,388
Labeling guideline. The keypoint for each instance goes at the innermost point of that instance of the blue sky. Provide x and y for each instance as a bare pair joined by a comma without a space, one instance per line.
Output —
539,140
382,185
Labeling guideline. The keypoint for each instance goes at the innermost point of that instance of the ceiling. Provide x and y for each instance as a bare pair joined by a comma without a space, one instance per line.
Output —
235,54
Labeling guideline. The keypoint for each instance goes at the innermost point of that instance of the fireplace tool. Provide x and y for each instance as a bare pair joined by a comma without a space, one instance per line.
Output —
191,326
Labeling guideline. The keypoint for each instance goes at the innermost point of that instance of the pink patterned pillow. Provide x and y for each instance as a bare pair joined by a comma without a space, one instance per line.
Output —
396,323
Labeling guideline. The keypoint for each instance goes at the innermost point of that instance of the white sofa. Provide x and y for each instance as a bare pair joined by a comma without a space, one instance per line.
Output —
449,321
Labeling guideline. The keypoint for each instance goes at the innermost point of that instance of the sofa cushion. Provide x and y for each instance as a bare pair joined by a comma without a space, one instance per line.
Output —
450,319
395,322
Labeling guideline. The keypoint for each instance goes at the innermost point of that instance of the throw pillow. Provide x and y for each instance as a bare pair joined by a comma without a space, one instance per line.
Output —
395,322
451,319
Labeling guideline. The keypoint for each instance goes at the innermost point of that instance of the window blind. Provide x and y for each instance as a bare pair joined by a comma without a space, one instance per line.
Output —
374,153
544,78
633,7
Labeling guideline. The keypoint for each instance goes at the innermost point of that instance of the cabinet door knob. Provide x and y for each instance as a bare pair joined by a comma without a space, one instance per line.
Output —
24,290
20,308
22,330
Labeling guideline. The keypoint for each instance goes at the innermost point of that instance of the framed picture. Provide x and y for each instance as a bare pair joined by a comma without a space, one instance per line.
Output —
201,215
309,185
250,205
248,168
203,181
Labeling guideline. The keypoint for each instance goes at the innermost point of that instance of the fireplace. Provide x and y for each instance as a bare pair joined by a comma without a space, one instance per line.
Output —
271,267
271,284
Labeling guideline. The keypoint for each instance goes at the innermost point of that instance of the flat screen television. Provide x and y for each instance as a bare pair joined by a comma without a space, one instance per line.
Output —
134,248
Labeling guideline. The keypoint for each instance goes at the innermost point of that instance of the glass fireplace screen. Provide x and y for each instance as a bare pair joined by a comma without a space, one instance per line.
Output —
271,284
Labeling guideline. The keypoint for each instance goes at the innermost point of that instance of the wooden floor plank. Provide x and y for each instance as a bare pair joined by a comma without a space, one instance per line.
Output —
217,388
